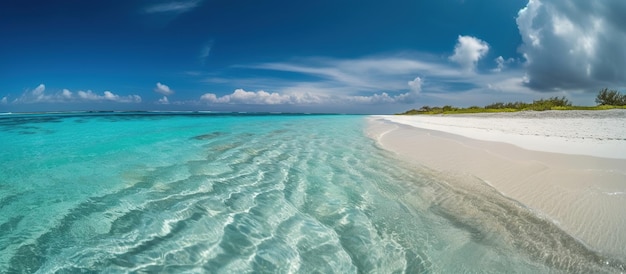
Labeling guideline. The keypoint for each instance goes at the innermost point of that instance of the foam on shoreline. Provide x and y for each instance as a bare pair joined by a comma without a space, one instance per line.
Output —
582,188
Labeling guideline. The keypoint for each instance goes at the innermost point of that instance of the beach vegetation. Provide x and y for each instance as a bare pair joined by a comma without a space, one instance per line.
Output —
611,97
552,103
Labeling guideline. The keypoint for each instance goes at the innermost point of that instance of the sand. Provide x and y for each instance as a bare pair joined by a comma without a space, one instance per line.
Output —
567,166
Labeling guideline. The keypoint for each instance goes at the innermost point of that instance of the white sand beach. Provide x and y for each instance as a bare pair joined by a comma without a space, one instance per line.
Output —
568,166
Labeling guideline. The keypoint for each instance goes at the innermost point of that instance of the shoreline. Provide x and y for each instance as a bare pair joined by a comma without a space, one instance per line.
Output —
580,192
599,133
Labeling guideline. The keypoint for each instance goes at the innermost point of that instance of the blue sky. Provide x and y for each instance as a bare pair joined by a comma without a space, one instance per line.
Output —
305,56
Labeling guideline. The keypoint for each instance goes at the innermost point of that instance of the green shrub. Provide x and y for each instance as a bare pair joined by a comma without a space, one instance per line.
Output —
608,97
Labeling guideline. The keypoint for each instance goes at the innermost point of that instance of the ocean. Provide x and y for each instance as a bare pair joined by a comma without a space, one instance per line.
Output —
244,192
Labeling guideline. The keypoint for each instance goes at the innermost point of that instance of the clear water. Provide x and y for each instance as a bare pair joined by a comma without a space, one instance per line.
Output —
224,193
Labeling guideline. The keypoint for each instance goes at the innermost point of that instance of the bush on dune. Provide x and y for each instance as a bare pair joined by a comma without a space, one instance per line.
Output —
612,97
606,99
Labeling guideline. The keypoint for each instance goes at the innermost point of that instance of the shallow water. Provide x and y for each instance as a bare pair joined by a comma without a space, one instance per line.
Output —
163,192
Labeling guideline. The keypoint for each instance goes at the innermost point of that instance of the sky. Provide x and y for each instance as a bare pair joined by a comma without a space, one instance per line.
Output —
339,56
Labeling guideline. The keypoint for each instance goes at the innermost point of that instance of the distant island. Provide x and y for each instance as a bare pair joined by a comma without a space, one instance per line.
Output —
606,99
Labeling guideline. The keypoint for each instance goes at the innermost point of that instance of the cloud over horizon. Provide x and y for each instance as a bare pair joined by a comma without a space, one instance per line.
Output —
356,76
240,96
295,96
38,95
214,53
379,79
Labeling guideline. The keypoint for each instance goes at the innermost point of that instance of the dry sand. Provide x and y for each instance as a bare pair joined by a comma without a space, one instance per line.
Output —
582,188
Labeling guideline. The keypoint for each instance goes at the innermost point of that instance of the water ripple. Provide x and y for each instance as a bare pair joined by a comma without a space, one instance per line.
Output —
299,194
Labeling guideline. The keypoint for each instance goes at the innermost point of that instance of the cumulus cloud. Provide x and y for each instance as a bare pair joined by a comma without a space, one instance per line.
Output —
35,95
110,96
501,63
39,95
383,98
240,96
374,80
38,91
107,96
66,94
173,7
415,85
345,77
164,101
573,44
163,89
308,95
468,51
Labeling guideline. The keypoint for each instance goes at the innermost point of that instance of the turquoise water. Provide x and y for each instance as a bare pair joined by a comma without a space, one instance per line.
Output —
228,193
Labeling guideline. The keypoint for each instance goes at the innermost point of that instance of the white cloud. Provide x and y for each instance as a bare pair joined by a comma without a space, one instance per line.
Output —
110,96
378,80
38,95
355,76
173,7
88,95
107,96
382,98
468,51
501,63
38,91
240,96
415,85
386,80
4,100
164,101
66,94
211,98
312,95
163,89
35,95
206,50
574,44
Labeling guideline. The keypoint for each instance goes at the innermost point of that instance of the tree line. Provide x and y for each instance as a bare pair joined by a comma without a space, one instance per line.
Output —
606,99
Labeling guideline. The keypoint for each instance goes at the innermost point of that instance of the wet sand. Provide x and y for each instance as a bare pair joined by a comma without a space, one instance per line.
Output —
549,164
